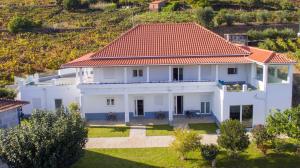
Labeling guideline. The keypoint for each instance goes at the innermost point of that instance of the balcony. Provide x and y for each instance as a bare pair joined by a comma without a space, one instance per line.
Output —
148,87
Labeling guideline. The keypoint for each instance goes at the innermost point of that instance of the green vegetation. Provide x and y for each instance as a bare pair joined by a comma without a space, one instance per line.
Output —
185,142
209,153
46,140
21,24
261,138
108,131
158,157
205,16
159,130
7,93
203,128
271,33
233,137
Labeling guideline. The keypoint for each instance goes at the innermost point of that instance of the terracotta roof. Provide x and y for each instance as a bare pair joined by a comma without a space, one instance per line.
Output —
266,56
7,104
184,43
169,40
158,61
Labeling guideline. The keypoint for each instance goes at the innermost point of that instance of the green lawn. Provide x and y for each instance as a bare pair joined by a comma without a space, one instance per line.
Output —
204,128
165,157
108,131
159,130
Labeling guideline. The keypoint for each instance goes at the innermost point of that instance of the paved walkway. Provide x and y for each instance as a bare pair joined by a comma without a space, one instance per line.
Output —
138,139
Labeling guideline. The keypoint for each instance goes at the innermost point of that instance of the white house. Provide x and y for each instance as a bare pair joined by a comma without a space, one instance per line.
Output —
10,111
169,69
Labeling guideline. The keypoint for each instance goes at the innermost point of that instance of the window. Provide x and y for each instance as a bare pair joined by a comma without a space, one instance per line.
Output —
177,74
137,73
234,112
232,71
205,107
58,103
110,101
259,72
247,115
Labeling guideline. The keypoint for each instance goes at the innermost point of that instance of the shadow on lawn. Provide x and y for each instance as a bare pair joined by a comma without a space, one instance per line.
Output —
113,128
273,160
160,128
98,160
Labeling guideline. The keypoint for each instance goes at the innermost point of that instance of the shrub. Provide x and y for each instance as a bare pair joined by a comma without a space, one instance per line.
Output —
198,3
73,107
233,137
229,19
261,138
185,142
47,140
21,24
263,16
7,93
72,4
219,19
209,153
282,17
255,35
246,18
172,6
286,5
205,16
268,44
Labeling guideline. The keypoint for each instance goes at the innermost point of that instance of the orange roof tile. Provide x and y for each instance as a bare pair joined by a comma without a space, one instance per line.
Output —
184,43
6,104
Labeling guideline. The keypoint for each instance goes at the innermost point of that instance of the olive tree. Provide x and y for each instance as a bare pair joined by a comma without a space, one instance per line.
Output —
261,138
209,153
185,142
47,140
205,16
233,137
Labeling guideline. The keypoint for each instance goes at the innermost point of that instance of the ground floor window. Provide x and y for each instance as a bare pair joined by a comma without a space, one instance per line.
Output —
234,113
205,107
110,101
247,115
58,104
243,113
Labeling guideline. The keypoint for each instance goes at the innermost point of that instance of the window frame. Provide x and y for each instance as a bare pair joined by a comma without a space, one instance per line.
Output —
233,72
110,101
137,73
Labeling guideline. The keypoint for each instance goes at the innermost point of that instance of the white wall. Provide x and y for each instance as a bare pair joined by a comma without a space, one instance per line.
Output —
279,96
97,104
159,73
47,95
242,75
190,72
109,75
9,118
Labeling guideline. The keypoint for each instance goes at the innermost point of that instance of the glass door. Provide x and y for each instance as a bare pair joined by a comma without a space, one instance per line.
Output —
177,74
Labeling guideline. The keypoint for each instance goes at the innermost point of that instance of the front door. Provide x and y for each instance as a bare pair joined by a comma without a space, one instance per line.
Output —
139,107
178,105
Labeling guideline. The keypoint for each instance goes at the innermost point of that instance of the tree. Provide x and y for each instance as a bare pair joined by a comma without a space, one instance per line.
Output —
198,3
233,137
48,139
286,122
21,24
7,93
72,4
246,18
261,138
209,153
205,16
73,107
263,16
185,142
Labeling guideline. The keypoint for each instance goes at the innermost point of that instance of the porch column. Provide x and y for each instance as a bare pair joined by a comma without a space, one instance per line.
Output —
290,74
265,76
170,74
126,108
148,75
125,74
80,75
217,73
253,74
81,104
199,72
171,106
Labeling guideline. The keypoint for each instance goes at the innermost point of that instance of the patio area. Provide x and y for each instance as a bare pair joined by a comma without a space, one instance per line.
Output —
178,120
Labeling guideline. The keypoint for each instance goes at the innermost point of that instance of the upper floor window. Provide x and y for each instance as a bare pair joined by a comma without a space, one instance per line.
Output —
259,72
232,71
110,101
137,73
177,74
